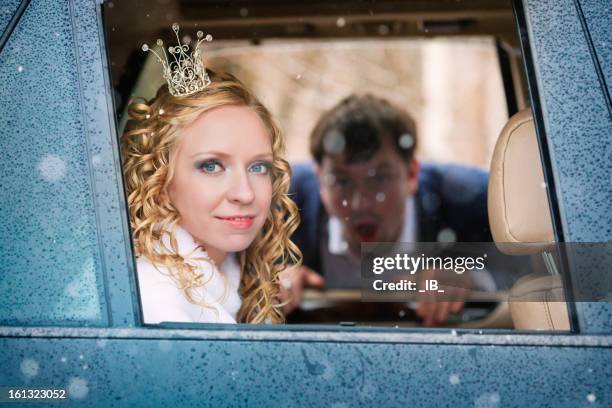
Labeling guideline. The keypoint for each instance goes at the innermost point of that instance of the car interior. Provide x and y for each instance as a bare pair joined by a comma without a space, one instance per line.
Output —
519,213
518,205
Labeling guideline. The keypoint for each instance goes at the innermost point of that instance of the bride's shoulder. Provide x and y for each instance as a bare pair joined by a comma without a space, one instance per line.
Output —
144,264
150,273
160,296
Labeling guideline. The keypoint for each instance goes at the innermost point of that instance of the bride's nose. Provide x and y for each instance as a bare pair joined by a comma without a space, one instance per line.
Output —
240,189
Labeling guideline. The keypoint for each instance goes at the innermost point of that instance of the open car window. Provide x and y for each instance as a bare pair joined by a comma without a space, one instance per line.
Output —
457,71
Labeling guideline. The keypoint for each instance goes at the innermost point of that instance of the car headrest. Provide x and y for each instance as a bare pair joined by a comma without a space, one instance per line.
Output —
517,201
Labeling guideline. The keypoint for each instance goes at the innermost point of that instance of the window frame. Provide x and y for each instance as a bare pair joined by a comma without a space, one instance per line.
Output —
545,157
338,332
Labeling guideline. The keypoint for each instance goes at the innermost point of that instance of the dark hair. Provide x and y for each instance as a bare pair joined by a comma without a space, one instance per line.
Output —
356,126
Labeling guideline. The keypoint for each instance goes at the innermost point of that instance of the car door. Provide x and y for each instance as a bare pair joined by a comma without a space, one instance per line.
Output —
69,312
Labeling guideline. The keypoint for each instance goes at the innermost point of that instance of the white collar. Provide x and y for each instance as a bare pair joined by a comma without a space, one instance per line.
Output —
190,249
338,246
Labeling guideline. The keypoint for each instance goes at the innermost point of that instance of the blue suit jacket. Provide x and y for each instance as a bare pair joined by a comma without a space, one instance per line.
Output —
449,196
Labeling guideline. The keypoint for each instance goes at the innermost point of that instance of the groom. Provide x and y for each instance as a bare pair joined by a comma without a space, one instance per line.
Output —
367,186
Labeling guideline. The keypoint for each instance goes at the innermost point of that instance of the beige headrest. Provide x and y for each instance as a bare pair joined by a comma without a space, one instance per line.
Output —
517,201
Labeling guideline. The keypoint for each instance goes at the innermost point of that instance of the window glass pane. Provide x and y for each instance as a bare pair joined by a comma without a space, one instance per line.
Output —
7,10
597,24
51,272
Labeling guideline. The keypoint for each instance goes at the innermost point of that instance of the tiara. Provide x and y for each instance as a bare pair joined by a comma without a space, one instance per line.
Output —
186,74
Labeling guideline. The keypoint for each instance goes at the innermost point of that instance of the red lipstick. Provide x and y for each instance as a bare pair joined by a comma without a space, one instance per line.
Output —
238,221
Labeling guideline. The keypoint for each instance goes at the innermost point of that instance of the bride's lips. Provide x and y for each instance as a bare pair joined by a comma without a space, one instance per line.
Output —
238,221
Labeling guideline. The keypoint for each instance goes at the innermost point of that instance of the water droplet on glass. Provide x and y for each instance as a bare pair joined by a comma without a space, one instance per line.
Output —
340,22
81,357
77,388
29,368
453,379
334,142
488,399
20,68
63,359
329,179
591,397
402,313
380,197
285,283
344,203
406,141
72,289
52,168
447,235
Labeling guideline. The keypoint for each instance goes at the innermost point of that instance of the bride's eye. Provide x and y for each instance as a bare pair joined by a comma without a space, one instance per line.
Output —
210,166
260,168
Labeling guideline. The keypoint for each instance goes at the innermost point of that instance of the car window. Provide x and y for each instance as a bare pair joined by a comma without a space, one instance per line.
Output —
594,24
51,260
459,78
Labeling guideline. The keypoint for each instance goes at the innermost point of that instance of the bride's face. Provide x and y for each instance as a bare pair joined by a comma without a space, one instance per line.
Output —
222,184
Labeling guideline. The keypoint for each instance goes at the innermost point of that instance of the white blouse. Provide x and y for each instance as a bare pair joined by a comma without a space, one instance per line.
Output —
163,301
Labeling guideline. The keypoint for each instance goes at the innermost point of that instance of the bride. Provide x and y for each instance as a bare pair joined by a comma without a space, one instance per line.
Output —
207,194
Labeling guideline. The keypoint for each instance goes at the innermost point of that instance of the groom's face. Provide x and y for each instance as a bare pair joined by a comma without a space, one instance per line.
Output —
368,197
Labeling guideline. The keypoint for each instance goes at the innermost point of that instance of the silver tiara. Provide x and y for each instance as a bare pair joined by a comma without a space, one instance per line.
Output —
186,74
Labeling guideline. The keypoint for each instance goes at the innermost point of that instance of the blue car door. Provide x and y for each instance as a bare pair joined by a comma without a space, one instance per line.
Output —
69,313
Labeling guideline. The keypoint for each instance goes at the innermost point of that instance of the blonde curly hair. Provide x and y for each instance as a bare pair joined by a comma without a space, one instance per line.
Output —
148,146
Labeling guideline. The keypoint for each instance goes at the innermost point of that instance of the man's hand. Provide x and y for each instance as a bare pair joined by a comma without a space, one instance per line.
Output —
434,313
293,280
